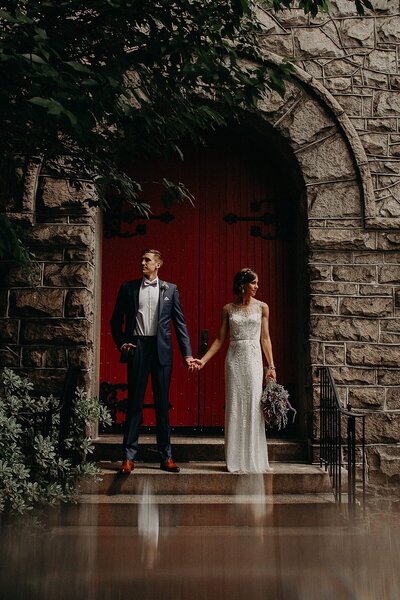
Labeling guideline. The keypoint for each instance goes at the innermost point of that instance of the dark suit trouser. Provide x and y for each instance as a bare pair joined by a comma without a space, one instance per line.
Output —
143,361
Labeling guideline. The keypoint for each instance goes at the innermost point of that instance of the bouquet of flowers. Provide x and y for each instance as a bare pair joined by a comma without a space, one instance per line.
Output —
275,405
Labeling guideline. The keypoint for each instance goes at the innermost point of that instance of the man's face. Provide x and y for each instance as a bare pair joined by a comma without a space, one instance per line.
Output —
150,265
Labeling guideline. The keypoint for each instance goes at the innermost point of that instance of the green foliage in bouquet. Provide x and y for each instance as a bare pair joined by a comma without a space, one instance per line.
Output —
33,471
275,405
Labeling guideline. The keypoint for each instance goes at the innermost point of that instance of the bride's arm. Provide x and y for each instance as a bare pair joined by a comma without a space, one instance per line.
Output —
266,343
218,342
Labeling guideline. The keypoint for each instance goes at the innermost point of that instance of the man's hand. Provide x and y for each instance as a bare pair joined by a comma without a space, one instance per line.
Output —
127,347
189,362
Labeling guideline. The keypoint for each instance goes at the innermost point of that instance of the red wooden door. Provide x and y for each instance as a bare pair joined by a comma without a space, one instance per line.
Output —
237,195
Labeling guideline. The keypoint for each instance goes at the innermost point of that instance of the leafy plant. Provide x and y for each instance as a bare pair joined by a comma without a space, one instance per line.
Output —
34,472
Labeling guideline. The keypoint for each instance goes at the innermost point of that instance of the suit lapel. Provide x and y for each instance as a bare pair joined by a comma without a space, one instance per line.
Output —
134,292
161,303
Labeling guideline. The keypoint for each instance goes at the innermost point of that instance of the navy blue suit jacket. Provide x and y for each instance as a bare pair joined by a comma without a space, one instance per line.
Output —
123,320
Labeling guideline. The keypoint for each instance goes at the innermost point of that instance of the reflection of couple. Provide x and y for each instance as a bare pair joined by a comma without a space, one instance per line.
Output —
141,328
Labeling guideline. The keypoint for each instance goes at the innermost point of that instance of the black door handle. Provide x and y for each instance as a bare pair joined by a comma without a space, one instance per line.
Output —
203,341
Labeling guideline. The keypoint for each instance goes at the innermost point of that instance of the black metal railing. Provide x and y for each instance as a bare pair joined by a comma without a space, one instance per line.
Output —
42,422
340,439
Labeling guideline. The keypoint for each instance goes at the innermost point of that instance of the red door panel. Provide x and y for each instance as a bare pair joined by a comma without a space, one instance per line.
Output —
237,189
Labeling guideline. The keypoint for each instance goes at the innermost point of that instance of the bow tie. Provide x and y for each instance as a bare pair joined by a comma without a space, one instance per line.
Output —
147,283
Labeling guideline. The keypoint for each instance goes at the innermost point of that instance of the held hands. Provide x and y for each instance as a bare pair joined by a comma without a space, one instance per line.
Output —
126,347
194,364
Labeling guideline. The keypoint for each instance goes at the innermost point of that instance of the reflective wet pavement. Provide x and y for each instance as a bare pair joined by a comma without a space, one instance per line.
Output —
284,552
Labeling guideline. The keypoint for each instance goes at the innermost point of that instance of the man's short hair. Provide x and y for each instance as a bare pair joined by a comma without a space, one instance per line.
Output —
156,253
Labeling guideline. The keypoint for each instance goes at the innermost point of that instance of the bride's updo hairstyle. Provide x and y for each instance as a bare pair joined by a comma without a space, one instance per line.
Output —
241,278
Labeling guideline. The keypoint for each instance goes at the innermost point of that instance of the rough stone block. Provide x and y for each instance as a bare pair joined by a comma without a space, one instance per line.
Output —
339,289
389,274
394,82
339,84
393,399
347,202
385,125
313,42
69,275
79,254
324,304
389,376
307,123
354,273
41,358
392,258
331,258
341,239
335,354
320,272
45,381
62,235
9,329
373,355
81,357
382,428
367,397
366,307
56,332
333,328
383,61
388,30
10,356
3,303
375,80
29,276
388,241
375,143
357,32
41,302
79,303
354,376
64,193
281,44
386,103
375,290
385,459
368,258
351,104
326,160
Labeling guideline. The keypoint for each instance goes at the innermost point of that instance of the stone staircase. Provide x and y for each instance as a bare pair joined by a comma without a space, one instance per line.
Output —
204,493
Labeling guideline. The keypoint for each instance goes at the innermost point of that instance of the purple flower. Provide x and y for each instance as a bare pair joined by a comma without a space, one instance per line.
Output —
275,405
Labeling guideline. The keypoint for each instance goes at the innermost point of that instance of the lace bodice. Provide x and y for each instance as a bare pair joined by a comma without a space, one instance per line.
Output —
245,322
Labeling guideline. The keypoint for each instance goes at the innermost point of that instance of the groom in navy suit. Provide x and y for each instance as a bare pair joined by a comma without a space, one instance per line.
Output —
141,328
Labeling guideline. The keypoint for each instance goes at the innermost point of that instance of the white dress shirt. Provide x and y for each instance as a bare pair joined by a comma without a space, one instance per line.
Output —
149,300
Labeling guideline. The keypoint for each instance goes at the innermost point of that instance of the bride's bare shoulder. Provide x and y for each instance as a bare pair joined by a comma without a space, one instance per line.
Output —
225,308
264,306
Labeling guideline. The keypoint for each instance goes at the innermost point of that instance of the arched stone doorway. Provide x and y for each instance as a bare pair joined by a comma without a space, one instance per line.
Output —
248,212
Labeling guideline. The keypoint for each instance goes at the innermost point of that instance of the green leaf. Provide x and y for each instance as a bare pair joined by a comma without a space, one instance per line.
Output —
34,58
78,66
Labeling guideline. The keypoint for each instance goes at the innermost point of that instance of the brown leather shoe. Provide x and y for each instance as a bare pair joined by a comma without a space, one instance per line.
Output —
127,467
169,465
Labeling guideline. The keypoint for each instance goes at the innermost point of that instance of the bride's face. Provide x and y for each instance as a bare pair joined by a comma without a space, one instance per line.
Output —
250,289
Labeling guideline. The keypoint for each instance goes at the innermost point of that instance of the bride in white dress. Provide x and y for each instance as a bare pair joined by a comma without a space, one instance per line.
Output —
246,320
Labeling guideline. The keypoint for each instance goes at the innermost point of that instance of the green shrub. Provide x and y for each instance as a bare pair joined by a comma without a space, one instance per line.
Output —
33,471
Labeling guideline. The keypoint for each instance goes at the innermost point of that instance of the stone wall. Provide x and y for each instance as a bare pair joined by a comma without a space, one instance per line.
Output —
47,312
354,238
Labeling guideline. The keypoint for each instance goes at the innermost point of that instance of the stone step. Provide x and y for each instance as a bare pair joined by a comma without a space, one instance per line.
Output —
196,448
278,510
209,478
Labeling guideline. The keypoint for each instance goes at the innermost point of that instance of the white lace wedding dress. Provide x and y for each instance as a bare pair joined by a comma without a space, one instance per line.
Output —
245,441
